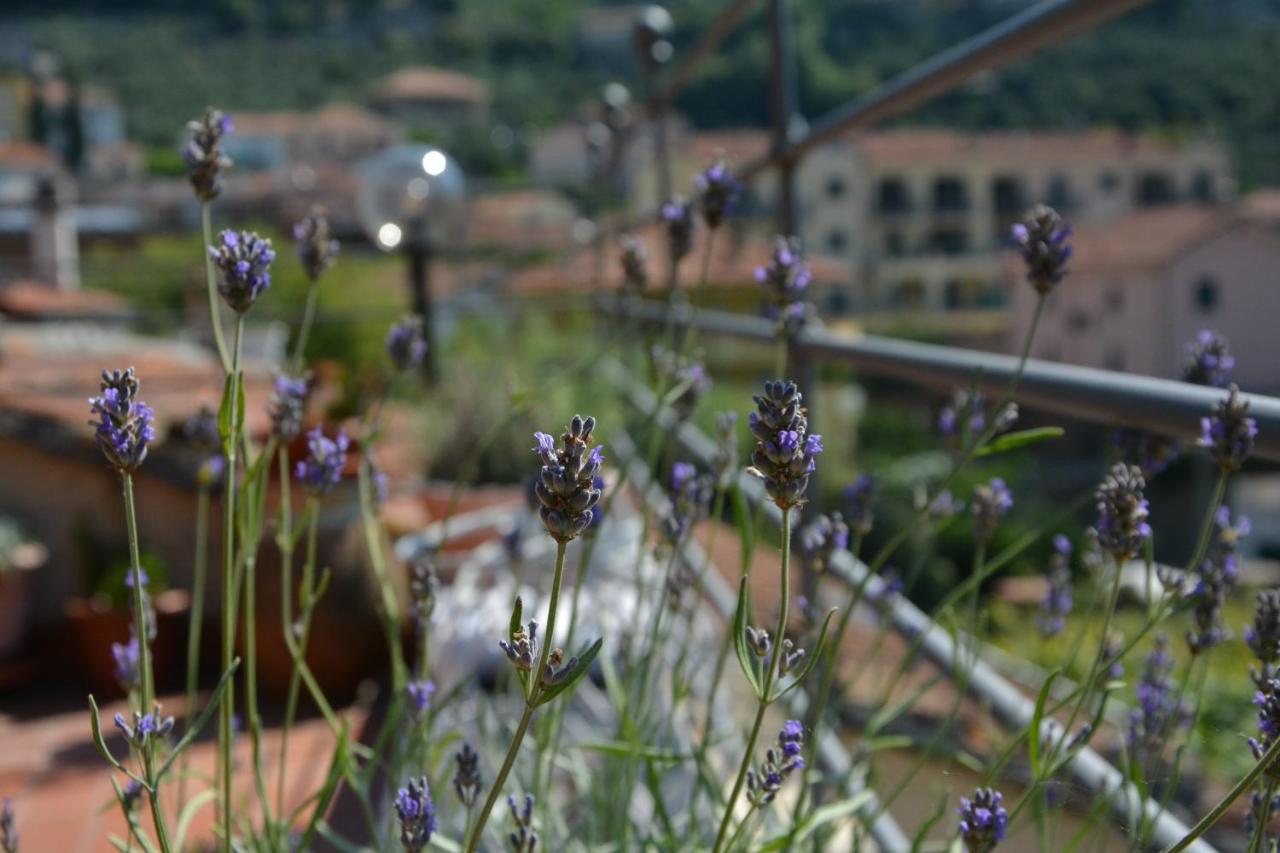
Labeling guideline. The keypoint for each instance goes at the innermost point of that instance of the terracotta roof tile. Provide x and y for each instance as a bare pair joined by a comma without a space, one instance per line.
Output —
32,300
424,82
1146,239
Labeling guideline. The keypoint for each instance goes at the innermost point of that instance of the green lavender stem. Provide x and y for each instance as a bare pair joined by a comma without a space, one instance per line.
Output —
227,707
211,284
390,607
305,602
196,627
1215,814
285,543
304,331
767,683
530,703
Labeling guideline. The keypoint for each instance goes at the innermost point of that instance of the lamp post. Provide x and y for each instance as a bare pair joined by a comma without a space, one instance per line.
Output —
411,199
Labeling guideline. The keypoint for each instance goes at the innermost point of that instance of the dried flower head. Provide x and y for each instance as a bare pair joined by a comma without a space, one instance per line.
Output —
677,216
326,459
785,453
991,502
1209,362
983,820
1229,433
203,154
466,781
718,191
416,814
786,279
1122,526
780,761
634,260
406,346
566,487
124,428
1057,602
243,260
317,248
288,405
1041,239
522,839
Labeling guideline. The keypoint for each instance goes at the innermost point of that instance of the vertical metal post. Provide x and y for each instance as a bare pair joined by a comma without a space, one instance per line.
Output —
782,92
420,285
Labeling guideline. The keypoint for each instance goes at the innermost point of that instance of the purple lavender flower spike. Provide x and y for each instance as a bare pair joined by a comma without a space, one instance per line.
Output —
718,192
124,429
1160,710
1263,636
288,405
424,584
406,346
821,539
419,694
1267,700
416,814
784,456
1229,433
326,459
1057,602
317,248
1041,239
566,487
983,820
991,502
859,499
1122,526
127,661
786,279
1209,362
1215,579
677,216
243,260
203,154
690,501
780,761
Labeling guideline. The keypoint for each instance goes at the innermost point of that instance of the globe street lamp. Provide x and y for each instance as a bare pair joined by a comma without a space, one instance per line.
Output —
411,199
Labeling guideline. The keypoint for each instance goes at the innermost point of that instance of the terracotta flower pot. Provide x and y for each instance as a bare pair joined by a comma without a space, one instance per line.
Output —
95,626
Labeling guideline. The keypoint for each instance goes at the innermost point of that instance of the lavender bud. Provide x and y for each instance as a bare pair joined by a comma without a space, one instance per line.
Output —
144,727
785,453
424,583
786,279
821,539
124,428
1041,239
317,249
1229,433
406,346
983,820
326,459
1263,636
466,781
127,662
417,815
1057,602
963,416
1267,701
781,760
419,694
1216,578
1122,526
522,839
859,498
635,265
522,650
203,153
690,501
758,640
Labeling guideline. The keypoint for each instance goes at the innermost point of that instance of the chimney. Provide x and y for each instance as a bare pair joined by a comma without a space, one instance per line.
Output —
55,253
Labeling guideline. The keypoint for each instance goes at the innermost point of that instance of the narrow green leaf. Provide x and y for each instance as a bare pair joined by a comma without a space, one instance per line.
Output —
927,827
96,725
224,414
746,657
1015,440
624,749
811,661
585,658
194,728
337,768
1034,734
516,624
189,811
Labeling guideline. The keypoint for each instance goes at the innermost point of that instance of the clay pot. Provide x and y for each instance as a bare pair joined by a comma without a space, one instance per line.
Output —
95,626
